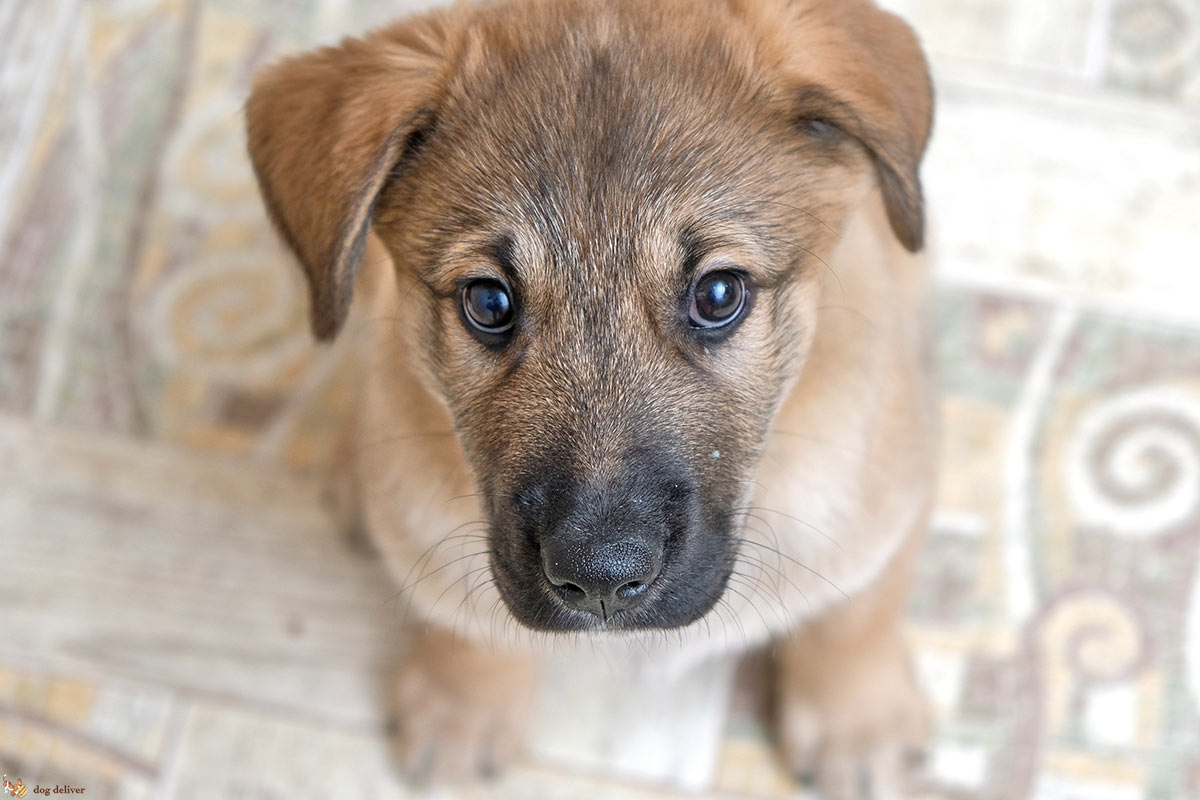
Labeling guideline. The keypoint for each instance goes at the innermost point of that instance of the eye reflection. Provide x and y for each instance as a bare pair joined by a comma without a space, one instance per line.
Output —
717,299
488,306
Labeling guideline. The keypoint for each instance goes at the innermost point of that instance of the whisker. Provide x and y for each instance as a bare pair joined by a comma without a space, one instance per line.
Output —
730,588
761,566
755,587
805,212
802,566
749,509
460,579
410,589
482,580
853,312
504,495
450,536
779,570
737,622
770,530
824,263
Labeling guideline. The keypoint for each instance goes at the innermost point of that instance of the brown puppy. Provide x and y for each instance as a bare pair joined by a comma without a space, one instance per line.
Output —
643,344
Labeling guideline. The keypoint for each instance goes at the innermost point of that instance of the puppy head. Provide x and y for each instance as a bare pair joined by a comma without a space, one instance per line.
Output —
615,215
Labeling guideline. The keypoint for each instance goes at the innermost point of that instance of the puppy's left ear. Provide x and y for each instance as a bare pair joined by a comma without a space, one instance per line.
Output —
862,69
325,130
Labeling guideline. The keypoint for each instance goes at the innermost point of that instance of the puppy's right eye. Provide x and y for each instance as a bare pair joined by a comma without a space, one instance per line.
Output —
717,299
488,307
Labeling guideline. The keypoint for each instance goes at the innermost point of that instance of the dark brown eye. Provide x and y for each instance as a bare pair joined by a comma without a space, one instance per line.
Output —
488,306
717,299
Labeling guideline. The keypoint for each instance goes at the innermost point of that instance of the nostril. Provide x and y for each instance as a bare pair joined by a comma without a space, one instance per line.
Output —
600,577
631,590
571,592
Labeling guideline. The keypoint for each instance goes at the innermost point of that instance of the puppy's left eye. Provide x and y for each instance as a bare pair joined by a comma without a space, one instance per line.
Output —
718,299
488,306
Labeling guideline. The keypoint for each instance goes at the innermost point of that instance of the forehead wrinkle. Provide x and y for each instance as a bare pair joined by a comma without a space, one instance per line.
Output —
610,156
601,123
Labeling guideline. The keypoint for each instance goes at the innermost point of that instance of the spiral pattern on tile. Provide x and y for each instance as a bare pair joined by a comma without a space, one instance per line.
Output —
1134,462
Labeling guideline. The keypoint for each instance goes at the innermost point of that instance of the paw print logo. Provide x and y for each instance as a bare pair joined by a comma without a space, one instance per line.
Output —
18,789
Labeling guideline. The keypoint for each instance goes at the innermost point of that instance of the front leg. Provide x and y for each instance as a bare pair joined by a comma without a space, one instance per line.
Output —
459,709
851,717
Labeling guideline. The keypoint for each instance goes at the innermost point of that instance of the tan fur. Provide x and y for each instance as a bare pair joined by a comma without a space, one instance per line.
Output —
442,677
831,432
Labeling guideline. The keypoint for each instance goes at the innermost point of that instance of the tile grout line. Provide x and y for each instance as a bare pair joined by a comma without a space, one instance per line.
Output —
55,351
58,729
1020,461
147,195
1058,96
11,167
1023,287
1098,38
173,747
6,16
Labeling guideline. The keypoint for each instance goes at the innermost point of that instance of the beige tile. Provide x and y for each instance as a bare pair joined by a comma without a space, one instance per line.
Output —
1063,37
1093,200
204,575
1154,48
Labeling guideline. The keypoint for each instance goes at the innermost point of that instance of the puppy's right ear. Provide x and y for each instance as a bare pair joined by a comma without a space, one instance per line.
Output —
326,128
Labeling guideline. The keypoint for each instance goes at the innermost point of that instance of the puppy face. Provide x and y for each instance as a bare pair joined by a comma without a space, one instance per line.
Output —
614,216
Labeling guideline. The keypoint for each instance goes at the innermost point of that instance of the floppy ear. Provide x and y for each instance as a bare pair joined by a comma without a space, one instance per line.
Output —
862,69
325,130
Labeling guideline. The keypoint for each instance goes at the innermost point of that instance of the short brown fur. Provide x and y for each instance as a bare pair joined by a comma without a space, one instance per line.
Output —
597,156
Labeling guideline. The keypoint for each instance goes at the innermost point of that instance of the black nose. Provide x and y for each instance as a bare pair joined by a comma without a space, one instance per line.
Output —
602,577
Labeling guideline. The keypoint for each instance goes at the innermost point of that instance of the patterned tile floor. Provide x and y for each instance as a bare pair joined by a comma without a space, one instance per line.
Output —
158,393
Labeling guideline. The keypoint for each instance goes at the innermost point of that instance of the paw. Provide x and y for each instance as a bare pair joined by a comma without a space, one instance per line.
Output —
457,712
852,727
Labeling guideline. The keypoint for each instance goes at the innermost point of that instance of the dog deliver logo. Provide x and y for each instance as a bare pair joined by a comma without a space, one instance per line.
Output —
18,789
